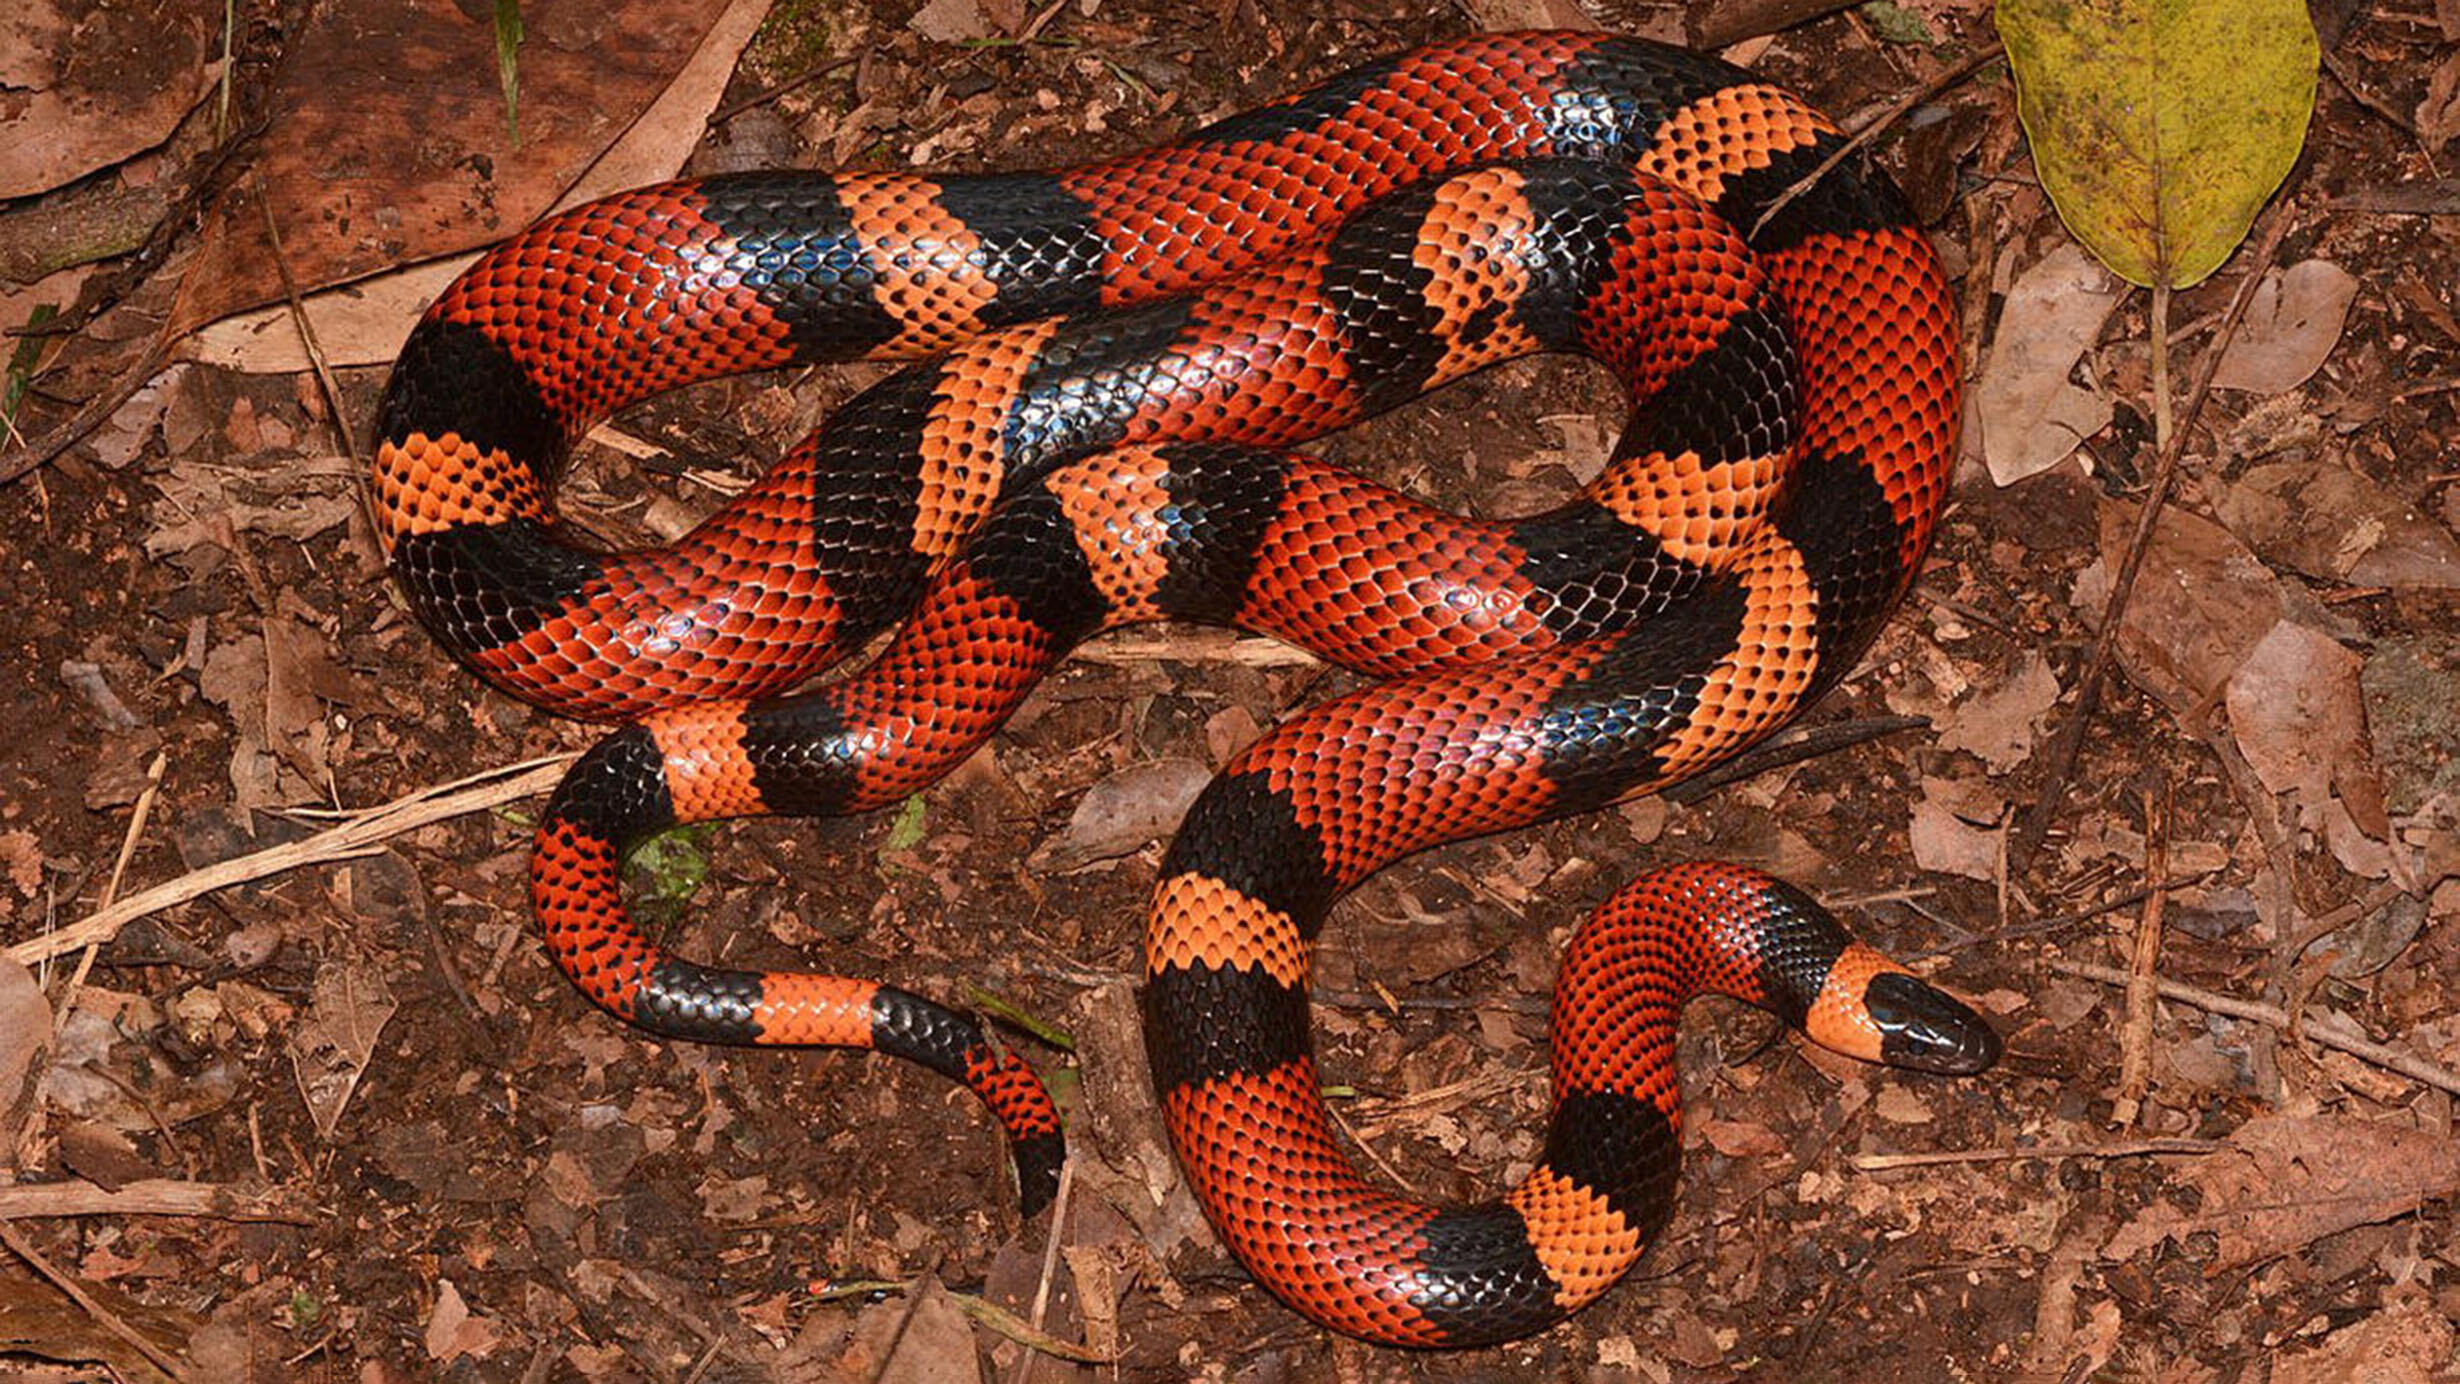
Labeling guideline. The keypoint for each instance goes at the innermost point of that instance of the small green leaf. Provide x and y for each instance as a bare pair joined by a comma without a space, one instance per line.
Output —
1896,24
906,832
2160,127
508,63
667,870
22,363
1044,1029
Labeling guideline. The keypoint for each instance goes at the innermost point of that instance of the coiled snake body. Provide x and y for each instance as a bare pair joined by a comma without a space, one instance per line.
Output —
1109,356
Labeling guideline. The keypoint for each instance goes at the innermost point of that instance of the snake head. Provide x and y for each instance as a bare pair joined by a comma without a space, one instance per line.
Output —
1927,1029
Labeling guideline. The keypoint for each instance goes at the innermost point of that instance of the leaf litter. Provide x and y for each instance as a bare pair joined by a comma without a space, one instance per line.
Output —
2292,607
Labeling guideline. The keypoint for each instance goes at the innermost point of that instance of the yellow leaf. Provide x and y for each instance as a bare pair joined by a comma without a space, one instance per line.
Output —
2160,127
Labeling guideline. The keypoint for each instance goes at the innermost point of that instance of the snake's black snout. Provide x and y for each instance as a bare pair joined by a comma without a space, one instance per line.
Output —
1928,1030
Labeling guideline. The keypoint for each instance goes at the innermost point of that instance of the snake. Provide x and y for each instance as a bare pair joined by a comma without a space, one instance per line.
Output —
1106,369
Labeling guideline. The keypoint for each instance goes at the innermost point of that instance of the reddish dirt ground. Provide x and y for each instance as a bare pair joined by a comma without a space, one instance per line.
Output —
503,1184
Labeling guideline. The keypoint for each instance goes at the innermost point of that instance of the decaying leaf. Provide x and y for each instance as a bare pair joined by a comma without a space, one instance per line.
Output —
2031,415
2287,1181
337,1039
2161,126
2292,323
2202,602
2406,1344
92,85
360,74
1956,827
25,1039
452,1331
2334,523
1998,726
2297,714
1126,812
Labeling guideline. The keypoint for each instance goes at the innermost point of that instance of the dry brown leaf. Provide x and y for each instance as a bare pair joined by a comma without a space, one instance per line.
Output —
1956,827
2030,416
2201,603
950,21
1999,726
387,141
2438,113
348,1008
936,1345
2295,710
364,322
452,1331
317,496
234,679
2292,322
1742,1138
1125,812
735,1199
2334,523
25,1036
39,1320
2406,1344
91,85
21,857
1529,14
1902,1104
2286,1181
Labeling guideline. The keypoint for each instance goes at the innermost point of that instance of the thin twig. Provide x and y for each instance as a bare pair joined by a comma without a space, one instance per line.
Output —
149,1197
1723,26
119,871
2034,825
2056,921
2143,974
2325,1027
791,84
103,1316
1050,1260
343,425
983,1311
40,452
1872,128
362,833
2008,1153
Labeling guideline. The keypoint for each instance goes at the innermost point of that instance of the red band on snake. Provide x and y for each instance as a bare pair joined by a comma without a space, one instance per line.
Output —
1113,351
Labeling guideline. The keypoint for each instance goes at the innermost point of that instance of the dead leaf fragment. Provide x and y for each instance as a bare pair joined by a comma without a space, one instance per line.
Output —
2336,524
2287,1181
2202,602
951,21
361,72
92,85
2438,112
2293,321
1999,726
1957,827
1125,812
937,1344
21,856
2298,715
2031,416
348,1008
2407,1344
25,1038
1742,1138
453,1332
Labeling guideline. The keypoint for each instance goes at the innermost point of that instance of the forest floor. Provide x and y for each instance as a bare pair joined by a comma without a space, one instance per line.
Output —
344,1120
